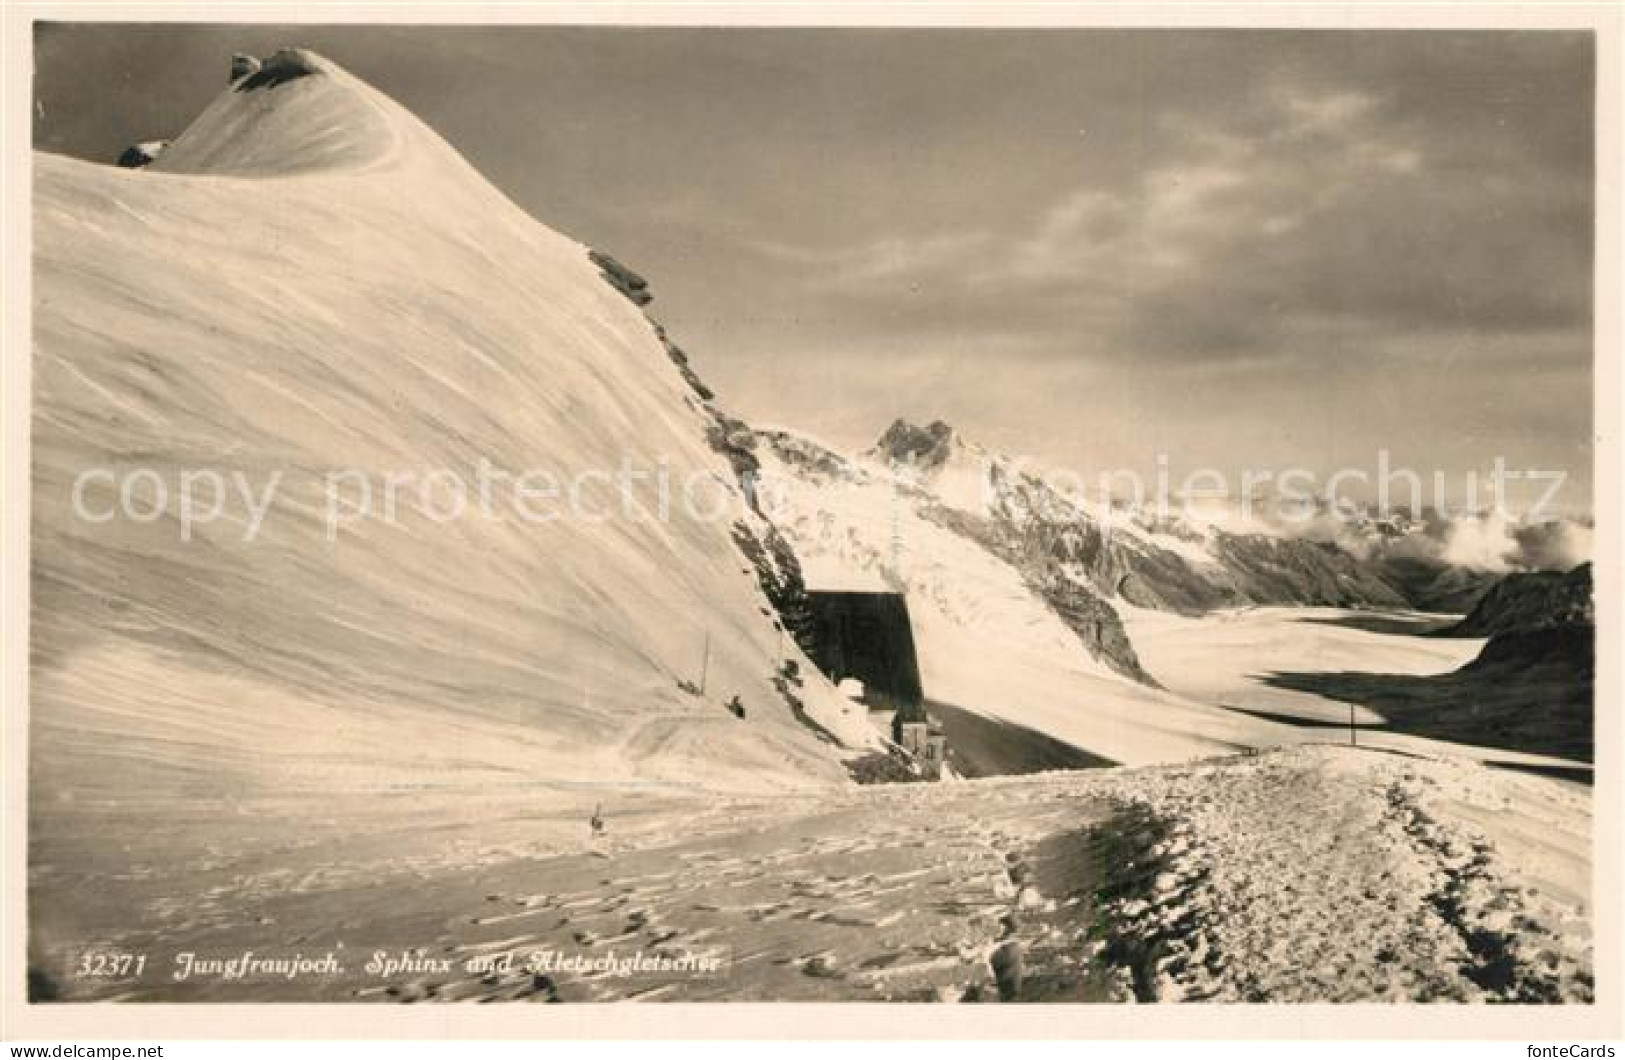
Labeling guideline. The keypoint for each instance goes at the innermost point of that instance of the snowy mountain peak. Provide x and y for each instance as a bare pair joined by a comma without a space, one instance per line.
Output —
296,113
287,64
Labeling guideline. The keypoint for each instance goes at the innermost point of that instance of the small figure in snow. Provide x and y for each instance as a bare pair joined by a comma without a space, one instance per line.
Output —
736,708
597,821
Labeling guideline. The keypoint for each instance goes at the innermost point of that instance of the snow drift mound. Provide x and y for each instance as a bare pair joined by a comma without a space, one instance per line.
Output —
307,284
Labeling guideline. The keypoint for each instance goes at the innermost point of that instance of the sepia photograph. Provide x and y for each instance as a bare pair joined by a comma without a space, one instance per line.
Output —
701,511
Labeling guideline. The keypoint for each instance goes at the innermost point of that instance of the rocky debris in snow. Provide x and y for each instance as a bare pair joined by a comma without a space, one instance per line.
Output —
1094,621
777,569
891,766
243,66
733,438
623,279
788,683
288,64
680,359
811,460
820,966
142,154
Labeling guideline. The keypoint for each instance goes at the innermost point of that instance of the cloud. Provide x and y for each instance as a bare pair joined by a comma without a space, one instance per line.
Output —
890,259
1559,545
1497,543
1322,224
1480,543
1490,541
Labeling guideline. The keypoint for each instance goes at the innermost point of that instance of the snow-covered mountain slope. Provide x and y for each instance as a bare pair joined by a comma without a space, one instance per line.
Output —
989,640
1173,561
1003,579
309,282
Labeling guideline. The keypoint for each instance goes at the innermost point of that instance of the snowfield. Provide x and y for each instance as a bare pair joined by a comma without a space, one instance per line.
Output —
1310,874
1227,658
310,282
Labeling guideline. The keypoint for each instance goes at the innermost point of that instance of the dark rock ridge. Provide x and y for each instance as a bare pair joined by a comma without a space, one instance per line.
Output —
809,459
288,64
1432,585
623,279
680,359
759,542
243,66
1094,621
1529,602
922,447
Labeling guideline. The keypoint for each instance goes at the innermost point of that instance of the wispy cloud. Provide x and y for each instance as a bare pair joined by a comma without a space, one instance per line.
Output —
1322,220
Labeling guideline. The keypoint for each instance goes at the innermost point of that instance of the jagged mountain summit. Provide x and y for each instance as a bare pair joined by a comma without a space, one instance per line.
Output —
307,282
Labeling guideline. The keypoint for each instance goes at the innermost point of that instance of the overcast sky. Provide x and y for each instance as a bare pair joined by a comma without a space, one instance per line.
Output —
1247,249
